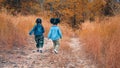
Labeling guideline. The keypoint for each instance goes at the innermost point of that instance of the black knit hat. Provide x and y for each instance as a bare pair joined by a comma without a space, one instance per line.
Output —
38,20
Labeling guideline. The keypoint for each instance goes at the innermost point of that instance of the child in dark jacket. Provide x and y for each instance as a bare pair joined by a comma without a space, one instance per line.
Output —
55,33
38,31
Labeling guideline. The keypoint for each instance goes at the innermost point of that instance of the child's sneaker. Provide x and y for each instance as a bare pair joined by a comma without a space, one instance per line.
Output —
40,51
37,50
55,51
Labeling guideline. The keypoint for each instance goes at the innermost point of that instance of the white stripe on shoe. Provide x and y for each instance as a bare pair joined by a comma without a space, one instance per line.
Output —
55,51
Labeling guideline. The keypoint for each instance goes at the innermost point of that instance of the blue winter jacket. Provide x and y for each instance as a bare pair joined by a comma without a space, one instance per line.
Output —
54,33
37,30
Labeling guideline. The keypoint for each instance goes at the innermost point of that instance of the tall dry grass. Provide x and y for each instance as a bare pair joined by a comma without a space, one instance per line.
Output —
14,30
7,32
102,42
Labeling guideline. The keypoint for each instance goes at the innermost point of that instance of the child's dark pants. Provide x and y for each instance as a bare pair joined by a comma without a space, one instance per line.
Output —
39,41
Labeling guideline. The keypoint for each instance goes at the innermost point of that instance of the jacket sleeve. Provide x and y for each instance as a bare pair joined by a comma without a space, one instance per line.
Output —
43,31
49,34
32,30
60,33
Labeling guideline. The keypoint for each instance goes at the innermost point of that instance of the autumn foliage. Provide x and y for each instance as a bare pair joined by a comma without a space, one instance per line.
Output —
74,12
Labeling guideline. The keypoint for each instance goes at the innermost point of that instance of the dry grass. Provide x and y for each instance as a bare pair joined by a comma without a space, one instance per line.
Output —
14,30
102,41
8,32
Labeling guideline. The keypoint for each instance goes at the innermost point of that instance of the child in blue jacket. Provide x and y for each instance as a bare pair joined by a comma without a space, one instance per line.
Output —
38,31
55,33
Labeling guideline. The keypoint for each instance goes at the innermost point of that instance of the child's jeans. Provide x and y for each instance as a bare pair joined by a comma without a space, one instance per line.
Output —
39,41
56,44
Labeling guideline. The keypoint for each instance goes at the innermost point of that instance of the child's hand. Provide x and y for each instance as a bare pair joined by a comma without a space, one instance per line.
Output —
48,39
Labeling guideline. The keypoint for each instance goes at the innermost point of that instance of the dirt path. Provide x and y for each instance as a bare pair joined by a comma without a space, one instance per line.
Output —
78,46
29,58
